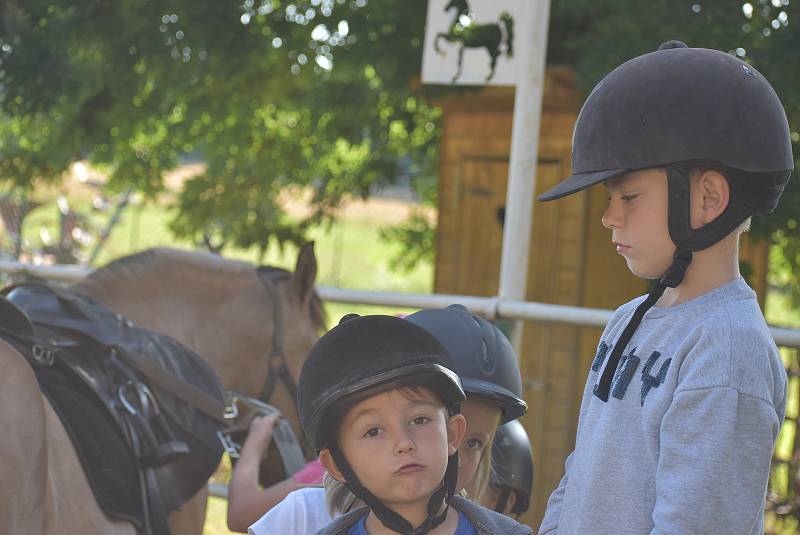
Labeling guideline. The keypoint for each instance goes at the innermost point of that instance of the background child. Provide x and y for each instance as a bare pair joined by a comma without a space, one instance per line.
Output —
489,371
511,481
377,400
247,501
684,400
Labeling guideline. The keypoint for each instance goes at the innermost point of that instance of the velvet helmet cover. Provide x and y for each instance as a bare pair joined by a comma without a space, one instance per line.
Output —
679,108
678,104
361,355
481,354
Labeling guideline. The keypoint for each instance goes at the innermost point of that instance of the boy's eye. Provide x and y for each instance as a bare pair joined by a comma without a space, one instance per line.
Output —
628,198
372,432
420,420
474,444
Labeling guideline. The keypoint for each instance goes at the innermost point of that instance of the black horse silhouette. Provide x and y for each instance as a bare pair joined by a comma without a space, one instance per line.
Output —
489,36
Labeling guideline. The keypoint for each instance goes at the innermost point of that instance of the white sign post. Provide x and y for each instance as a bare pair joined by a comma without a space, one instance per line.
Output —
526,70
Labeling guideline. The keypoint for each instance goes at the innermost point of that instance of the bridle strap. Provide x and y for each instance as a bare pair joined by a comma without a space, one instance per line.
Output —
278,368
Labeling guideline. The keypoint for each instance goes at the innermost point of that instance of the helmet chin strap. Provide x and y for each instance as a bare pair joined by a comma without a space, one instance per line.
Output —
391,519
687,240
670,279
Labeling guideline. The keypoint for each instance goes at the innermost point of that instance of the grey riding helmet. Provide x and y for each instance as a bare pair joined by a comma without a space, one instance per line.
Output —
679,107
359,358
482,356
512,466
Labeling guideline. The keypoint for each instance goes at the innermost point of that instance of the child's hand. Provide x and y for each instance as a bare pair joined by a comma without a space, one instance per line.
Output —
260,434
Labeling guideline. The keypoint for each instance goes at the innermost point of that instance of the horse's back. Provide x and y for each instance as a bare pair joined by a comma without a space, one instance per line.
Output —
43,489
23,469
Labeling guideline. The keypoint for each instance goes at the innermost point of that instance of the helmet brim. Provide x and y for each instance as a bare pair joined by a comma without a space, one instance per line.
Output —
445,382
511,406
578,182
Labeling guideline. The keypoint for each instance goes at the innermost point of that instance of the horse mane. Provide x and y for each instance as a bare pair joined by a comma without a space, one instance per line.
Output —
148,261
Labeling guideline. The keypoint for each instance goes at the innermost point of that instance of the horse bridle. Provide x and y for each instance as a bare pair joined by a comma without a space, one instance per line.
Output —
292,452
278,367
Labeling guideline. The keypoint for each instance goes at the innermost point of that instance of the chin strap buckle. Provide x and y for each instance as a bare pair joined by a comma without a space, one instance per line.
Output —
676,271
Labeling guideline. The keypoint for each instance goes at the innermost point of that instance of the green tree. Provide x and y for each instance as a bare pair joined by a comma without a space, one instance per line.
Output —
322,94
268,94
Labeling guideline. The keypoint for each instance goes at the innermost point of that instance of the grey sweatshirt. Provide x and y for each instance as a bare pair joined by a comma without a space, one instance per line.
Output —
486,521
684,443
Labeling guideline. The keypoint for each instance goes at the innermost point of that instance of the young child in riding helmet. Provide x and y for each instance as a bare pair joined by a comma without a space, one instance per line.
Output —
485,362
511,480
686,393
378,402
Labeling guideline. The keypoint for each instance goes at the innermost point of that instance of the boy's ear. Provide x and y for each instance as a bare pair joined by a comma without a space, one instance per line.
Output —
327,461
710,198
456,428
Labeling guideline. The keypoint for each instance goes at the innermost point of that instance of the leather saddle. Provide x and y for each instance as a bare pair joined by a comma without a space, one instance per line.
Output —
142,410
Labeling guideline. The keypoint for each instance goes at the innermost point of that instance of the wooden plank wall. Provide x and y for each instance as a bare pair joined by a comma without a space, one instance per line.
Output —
571,262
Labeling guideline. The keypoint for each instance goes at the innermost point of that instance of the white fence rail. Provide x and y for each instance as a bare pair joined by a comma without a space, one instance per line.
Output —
490,307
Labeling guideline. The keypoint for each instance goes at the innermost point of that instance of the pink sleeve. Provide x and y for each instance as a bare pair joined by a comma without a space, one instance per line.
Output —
311,473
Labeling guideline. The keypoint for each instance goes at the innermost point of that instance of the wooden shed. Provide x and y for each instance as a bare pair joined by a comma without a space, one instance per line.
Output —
572,261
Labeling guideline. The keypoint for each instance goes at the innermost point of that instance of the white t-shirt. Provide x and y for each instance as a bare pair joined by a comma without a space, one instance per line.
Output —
302,511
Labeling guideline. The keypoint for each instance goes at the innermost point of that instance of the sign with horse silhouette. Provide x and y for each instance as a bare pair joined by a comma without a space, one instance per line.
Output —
471,42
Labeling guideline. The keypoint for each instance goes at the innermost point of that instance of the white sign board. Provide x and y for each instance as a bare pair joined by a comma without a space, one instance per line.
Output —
472,42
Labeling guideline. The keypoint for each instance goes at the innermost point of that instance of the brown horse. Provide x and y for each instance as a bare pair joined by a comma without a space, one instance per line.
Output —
220,308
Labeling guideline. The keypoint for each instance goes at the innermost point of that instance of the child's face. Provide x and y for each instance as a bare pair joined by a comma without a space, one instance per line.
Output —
637,217
397,443
482,421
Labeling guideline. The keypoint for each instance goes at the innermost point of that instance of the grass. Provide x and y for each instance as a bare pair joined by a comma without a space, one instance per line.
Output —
350,253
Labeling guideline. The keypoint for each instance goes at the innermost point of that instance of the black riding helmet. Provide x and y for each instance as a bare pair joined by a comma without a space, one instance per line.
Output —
512,466
482,356
361,357
678,105
681,108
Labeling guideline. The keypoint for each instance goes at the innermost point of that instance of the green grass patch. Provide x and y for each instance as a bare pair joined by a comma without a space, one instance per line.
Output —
216,514
350,253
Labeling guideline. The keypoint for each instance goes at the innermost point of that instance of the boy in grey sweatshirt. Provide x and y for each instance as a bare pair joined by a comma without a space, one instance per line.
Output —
686,393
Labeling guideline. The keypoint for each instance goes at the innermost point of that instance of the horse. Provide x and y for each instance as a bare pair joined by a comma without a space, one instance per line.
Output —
220,308
489,36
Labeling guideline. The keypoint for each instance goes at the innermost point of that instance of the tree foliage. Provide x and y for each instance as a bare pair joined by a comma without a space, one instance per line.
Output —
315,93
251,89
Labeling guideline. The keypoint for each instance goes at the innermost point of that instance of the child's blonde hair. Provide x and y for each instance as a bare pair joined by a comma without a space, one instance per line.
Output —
338,497
476,488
